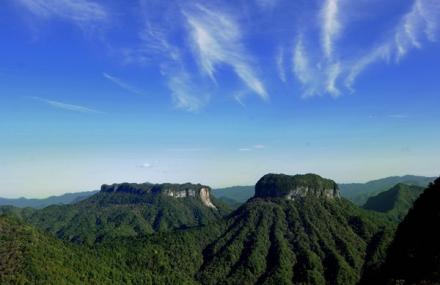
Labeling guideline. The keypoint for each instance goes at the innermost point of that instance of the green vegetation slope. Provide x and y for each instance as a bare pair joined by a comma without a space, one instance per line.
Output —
414,255
129,210
395,202
292,239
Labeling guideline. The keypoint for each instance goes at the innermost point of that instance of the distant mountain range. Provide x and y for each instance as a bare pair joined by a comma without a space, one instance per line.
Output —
234,196
67,198
359,193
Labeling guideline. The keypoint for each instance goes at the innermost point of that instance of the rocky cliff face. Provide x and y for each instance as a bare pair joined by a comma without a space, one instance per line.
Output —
177,191
296,186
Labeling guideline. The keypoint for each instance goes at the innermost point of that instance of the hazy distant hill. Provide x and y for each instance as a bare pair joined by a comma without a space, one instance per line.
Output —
67,198
395,202
359,193
240,194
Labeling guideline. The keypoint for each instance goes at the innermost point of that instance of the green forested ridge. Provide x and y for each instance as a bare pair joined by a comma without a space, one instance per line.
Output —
134,209
310,241
395,202
414,255
271,240
29,256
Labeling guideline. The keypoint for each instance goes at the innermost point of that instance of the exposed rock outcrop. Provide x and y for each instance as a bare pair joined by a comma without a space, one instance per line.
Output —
296,186
186,190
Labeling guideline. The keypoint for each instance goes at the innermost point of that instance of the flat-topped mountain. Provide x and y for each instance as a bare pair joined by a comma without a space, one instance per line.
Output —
186,190
296,186
130,209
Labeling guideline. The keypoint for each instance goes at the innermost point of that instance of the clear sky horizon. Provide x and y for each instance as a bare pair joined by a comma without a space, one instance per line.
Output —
215,92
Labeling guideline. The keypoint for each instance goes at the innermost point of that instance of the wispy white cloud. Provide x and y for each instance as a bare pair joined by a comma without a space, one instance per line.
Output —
331,26
185,95
239,96
303,70
281,64
65,106
158,47
332,74
216,40
301,65
414,29
84,13
336,69
417,26
145,165
122,84
381,52
252,148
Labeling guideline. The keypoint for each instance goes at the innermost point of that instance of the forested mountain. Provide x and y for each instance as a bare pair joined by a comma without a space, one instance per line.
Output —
414,254
395,202
128,210
67,198
295,230
30,256
359,193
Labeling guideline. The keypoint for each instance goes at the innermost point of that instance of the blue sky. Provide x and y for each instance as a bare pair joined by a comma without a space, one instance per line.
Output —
216,92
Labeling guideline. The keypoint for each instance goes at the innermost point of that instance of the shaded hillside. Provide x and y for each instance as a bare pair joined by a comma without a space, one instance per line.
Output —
395,202
414,255
67,198
359,193
129,210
